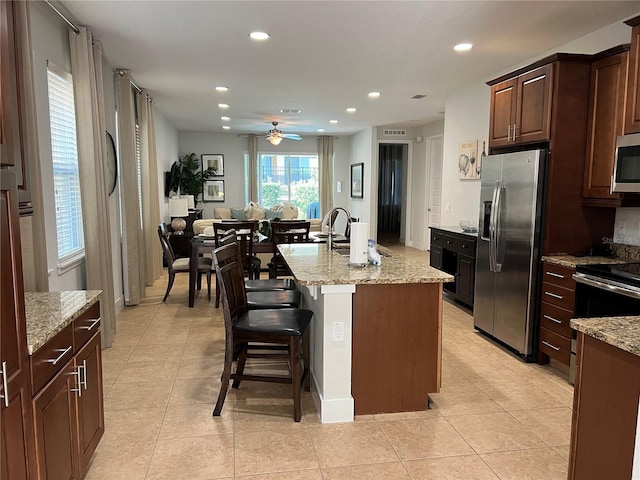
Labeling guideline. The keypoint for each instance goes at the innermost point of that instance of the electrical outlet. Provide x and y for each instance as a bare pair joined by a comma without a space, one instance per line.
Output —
337,334
447,208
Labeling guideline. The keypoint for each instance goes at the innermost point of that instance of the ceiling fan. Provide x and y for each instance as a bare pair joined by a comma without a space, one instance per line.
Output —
275,136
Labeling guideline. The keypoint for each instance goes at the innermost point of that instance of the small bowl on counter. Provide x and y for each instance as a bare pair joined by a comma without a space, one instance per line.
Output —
469,226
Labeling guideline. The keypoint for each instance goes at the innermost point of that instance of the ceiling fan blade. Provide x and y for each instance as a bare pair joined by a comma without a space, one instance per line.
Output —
291,136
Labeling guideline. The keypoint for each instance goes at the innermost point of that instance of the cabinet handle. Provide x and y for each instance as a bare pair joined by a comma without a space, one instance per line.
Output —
509,133
553,274
515,127
64,352
84,374
5,395
449,242
557,349
78,381
93,324
464,246
559,297
553,319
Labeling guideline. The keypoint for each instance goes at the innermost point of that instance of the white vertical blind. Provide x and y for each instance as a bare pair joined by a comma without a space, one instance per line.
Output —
64,152
139,173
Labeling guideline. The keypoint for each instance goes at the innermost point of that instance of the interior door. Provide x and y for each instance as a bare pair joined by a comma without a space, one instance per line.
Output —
433,197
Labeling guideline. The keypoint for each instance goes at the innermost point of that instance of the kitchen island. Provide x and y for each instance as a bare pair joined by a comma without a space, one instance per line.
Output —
377,331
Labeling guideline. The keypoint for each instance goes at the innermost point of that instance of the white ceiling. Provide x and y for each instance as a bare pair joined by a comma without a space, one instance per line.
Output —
325,56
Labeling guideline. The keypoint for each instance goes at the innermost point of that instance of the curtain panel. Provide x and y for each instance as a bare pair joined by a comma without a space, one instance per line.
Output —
325,162
133,236
86,68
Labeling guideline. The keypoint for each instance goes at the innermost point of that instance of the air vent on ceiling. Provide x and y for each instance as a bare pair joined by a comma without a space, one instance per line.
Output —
418,97
290,110
394,133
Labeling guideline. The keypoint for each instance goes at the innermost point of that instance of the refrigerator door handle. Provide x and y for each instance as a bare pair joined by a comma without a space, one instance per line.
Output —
498,222
492,229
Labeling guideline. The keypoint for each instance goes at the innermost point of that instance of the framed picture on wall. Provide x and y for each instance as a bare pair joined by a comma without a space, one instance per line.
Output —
213,191
356,180
213,161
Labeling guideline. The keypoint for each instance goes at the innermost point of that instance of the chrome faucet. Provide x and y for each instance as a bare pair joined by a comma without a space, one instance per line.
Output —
327,221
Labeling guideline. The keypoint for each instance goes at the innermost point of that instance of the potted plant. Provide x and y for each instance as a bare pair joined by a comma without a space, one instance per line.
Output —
187,178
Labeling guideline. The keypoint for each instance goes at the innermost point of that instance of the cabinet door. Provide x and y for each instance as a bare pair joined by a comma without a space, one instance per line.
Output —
533,111
606,116
15,408
465,279
435,257
90,403
632,121
502,115
55,427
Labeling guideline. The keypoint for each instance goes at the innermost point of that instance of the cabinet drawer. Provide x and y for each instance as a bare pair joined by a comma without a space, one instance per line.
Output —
86,325
437,238
467,247
562,297
450,243
556,346
558,275
556,319
49,359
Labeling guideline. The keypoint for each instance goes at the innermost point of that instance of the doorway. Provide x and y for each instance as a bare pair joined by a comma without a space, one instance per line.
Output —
392,158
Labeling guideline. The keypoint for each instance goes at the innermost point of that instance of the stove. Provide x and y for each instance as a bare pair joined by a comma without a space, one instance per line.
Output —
623,279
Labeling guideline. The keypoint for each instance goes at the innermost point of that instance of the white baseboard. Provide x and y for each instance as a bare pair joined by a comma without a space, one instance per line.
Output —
332,411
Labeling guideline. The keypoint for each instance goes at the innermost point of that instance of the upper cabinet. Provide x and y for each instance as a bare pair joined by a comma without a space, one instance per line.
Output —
632,118
521,108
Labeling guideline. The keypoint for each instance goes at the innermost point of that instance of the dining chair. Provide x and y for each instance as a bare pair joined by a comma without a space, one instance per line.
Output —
251,334
286,231
182,265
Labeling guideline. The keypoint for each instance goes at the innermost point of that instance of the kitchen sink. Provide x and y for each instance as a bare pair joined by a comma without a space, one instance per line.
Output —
343,251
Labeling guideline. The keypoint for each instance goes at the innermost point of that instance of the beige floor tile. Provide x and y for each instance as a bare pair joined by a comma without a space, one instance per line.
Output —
377,471
161,335
463,399
109,467
205,349
202,334
563,451
534,464
389,417
170,353
195,420
195,458
313,474
118,352
273,451
425,438
553,425
351,444
520,395
139,395
494,432
201,367
145,372
469,467
197,390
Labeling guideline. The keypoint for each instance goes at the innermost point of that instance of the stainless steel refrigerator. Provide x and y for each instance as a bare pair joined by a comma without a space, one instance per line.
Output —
508,248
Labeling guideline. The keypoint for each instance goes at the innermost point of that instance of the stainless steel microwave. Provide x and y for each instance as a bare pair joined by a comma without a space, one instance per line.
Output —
626,170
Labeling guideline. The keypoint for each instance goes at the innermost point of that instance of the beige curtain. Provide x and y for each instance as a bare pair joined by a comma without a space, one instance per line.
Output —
133,236
31,149
325,161
253,168
86,68
150,198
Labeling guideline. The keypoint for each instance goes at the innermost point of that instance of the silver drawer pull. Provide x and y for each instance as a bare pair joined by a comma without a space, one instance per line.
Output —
93,324
557,349
78,381
553,274
5,395
552,319
64,352
554,295
84,374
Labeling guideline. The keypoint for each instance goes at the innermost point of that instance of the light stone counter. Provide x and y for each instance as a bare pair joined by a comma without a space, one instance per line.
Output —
312,264
49,312
620,332
572,261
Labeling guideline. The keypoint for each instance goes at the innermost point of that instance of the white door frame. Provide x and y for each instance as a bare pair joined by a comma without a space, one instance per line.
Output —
431,157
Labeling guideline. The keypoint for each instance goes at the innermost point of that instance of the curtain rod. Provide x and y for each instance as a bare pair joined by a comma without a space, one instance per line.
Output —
122,73
63,17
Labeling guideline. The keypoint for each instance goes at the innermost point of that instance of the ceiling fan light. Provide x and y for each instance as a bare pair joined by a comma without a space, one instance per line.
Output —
275,139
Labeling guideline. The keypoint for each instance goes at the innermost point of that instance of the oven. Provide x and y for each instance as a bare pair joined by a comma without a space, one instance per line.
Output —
608,290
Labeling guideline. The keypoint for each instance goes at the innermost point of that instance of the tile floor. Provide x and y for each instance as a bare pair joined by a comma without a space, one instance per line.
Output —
495,417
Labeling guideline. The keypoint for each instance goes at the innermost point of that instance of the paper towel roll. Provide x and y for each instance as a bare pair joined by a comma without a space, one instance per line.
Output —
359,243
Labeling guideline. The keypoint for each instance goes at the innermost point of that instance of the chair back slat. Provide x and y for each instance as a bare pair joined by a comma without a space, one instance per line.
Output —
166,247
245,231
290,231
229,273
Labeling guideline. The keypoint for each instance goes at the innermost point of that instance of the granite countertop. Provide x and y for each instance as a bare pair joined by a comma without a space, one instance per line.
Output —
312,264
457,230
620,332
572,261
49,312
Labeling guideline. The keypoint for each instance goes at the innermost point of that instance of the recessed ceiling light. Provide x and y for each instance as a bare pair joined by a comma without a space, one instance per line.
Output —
290,110
226,127
463,47
351,110
259,35
374,94
225,119
333,121
321,129
223,105
222,89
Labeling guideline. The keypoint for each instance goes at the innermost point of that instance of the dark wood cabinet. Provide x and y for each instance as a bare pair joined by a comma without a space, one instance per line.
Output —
15,387
520,110
606,120
455,253
632,119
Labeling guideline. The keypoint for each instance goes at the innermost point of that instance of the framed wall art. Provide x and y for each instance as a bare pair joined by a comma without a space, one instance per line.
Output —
213,161
356,180
213,191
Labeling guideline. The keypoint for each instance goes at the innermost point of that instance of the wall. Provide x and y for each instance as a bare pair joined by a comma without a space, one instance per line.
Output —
364,149
167,152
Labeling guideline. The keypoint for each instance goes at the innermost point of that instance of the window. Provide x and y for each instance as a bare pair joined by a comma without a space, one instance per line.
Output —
66,178
289,178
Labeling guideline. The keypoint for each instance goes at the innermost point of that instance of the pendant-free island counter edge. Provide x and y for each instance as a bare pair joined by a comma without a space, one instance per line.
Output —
376,342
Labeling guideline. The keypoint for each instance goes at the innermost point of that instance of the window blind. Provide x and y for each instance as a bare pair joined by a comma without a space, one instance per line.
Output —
64,151
139,173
